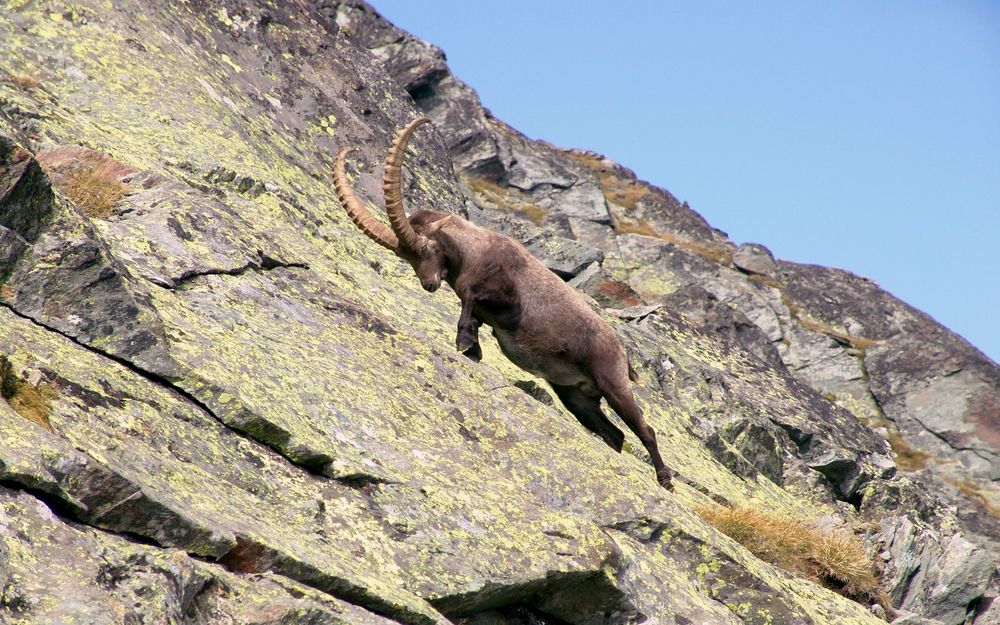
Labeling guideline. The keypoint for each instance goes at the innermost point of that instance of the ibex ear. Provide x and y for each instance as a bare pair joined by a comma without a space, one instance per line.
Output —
435,226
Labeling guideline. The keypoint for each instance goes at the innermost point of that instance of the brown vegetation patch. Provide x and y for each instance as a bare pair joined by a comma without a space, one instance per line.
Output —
622,188
765,280
94,189
619,189
31,402
718,254
835,559
625,193
636,226
507,198
859,343
970,490
91,179
24,83
907,457
619,292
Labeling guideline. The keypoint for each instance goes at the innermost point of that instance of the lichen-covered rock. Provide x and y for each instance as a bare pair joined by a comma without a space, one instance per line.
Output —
754,258
931,568
566,257
54,572
606,290
702,307
887,364
243,411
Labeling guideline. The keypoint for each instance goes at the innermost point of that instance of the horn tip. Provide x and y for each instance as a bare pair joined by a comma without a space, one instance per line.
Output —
423,119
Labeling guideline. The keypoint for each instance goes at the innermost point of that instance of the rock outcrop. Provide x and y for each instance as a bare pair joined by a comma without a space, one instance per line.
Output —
222,404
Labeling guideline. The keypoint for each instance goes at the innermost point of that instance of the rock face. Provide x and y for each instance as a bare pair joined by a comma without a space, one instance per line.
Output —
222,404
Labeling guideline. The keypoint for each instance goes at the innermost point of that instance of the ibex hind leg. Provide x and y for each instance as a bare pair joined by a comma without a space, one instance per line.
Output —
587,410
620,398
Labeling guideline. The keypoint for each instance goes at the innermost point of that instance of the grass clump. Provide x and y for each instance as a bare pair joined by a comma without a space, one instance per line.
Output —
718,254
970,490
95,189
859,343
24,83
907,457
31,402
835,559
618,189
636,226
765,280
623,189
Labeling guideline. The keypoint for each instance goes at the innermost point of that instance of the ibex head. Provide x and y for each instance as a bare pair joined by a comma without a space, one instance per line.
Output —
411,239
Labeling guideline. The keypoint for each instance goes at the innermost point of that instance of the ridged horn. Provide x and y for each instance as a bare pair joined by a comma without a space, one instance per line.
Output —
392,186
365,221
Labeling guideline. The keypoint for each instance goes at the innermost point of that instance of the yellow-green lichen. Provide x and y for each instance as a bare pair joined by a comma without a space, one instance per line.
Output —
472,480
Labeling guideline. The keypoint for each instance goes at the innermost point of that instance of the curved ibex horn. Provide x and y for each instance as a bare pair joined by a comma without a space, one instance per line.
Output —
391,185
364,220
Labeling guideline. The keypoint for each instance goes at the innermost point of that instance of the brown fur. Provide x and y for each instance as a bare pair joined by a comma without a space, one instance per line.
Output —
542,324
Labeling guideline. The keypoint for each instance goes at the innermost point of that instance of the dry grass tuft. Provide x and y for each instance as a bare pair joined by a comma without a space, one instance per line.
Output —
507,198
718,254
839,560
859,343
907,457
636,226
765,280
618,189
970,490
24,83
835,559
626,191
94,189
31,402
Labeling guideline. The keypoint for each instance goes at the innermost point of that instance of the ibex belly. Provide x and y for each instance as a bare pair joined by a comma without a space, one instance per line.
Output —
554,367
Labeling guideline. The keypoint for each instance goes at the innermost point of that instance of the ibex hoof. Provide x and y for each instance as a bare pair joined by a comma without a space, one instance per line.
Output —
663,477
465,342
474,353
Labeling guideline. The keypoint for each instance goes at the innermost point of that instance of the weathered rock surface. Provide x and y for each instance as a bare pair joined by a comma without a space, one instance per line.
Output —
754,258
922,387
221,403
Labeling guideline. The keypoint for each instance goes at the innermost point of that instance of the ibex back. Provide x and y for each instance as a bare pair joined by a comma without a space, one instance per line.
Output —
543,325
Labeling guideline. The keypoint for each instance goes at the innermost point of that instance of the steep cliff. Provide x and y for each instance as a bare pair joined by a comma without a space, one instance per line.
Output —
222,403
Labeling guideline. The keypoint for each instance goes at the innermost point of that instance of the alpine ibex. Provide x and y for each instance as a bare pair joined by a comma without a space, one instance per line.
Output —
543,325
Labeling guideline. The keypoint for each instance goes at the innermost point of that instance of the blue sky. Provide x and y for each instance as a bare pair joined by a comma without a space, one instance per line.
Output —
859,135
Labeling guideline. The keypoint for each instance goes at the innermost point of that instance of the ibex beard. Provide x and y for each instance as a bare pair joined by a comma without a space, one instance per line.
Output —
542,325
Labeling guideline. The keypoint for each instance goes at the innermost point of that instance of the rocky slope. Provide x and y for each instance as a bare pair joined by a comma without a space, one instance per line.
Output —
223,404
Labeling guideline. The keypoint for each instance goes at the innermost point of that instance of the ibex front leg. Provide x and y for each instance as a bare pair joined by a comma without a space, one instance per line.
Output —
467,340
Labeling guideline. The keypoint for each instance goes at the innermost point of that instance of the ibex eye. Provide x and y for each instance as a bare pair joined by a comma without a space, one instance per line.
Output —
423,248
